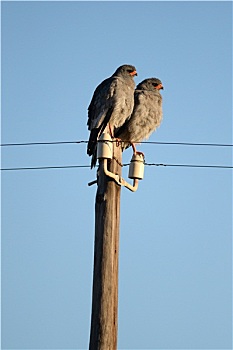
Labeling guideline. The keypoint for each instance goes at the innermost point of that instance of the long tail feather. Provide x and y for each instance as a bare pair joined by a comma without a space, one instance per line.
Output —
92,141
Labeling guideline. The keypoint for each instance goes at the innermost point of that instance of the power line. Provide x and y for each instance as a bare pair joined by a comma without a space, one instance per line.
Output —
142,142
146,164
41,143
192,166
188,144
46,167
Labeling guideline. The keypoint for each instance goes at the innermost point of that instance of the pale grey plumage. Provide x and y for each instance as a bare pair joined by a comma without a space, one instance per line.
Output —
147,113
111,105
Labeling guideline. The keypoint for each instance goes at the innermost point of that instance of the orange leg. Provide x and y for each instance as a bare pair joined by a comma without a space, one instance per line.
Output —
135,151
110,131
134,148
118,141
141,153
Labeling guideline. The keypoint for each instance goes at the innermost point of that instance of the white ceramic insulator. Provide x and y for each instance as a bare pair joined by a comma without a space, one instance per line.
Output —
104,147
136,168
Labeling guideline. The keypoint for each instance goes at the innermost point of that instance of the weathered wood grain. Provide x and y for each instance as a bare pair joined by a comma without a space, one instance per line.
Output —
104,320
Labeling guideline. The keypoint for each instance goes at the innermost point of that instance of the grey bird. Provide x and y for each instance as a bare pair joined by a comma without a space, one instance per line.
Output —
111,105
146,116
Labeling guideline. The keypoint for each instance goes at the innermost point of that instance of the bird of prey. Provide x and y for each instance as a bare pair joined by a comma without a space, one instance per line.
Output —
111,105
146,116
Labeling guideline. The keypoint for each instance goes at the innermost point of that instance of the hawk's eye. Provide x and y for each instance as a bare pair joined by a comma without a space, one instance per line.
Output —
154,84
130,70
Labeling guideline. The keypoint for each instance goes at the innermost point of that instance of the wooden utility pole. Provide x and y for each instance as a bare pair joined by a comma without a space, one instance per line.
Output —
104,318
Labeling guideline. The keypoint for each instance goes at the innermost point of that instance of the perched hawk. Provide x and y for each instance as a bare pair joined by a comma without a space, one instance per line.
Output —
111,105
146,116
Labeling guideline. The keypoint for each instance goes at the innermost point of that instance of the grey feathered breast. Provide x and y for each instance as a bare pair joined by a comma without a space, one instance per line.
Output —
146,117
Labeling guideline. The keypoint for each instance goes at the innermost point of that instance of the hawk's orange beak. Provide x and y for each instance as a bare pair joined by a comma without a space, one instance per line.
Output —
133,73
158,87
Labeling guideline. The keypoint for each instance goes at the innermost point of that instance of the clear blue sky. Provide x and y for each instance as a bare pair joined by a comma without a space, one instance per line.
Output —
175,242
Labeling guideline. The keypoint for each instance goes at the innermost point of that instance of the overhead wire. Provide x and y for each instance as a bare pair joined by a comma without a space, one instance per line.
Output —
143,142
41,143
47,167
146,164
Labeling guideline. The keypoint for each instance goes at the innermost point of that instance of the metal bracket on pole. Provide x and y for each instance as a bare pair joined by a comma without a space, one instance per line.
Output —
118,179
92,182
